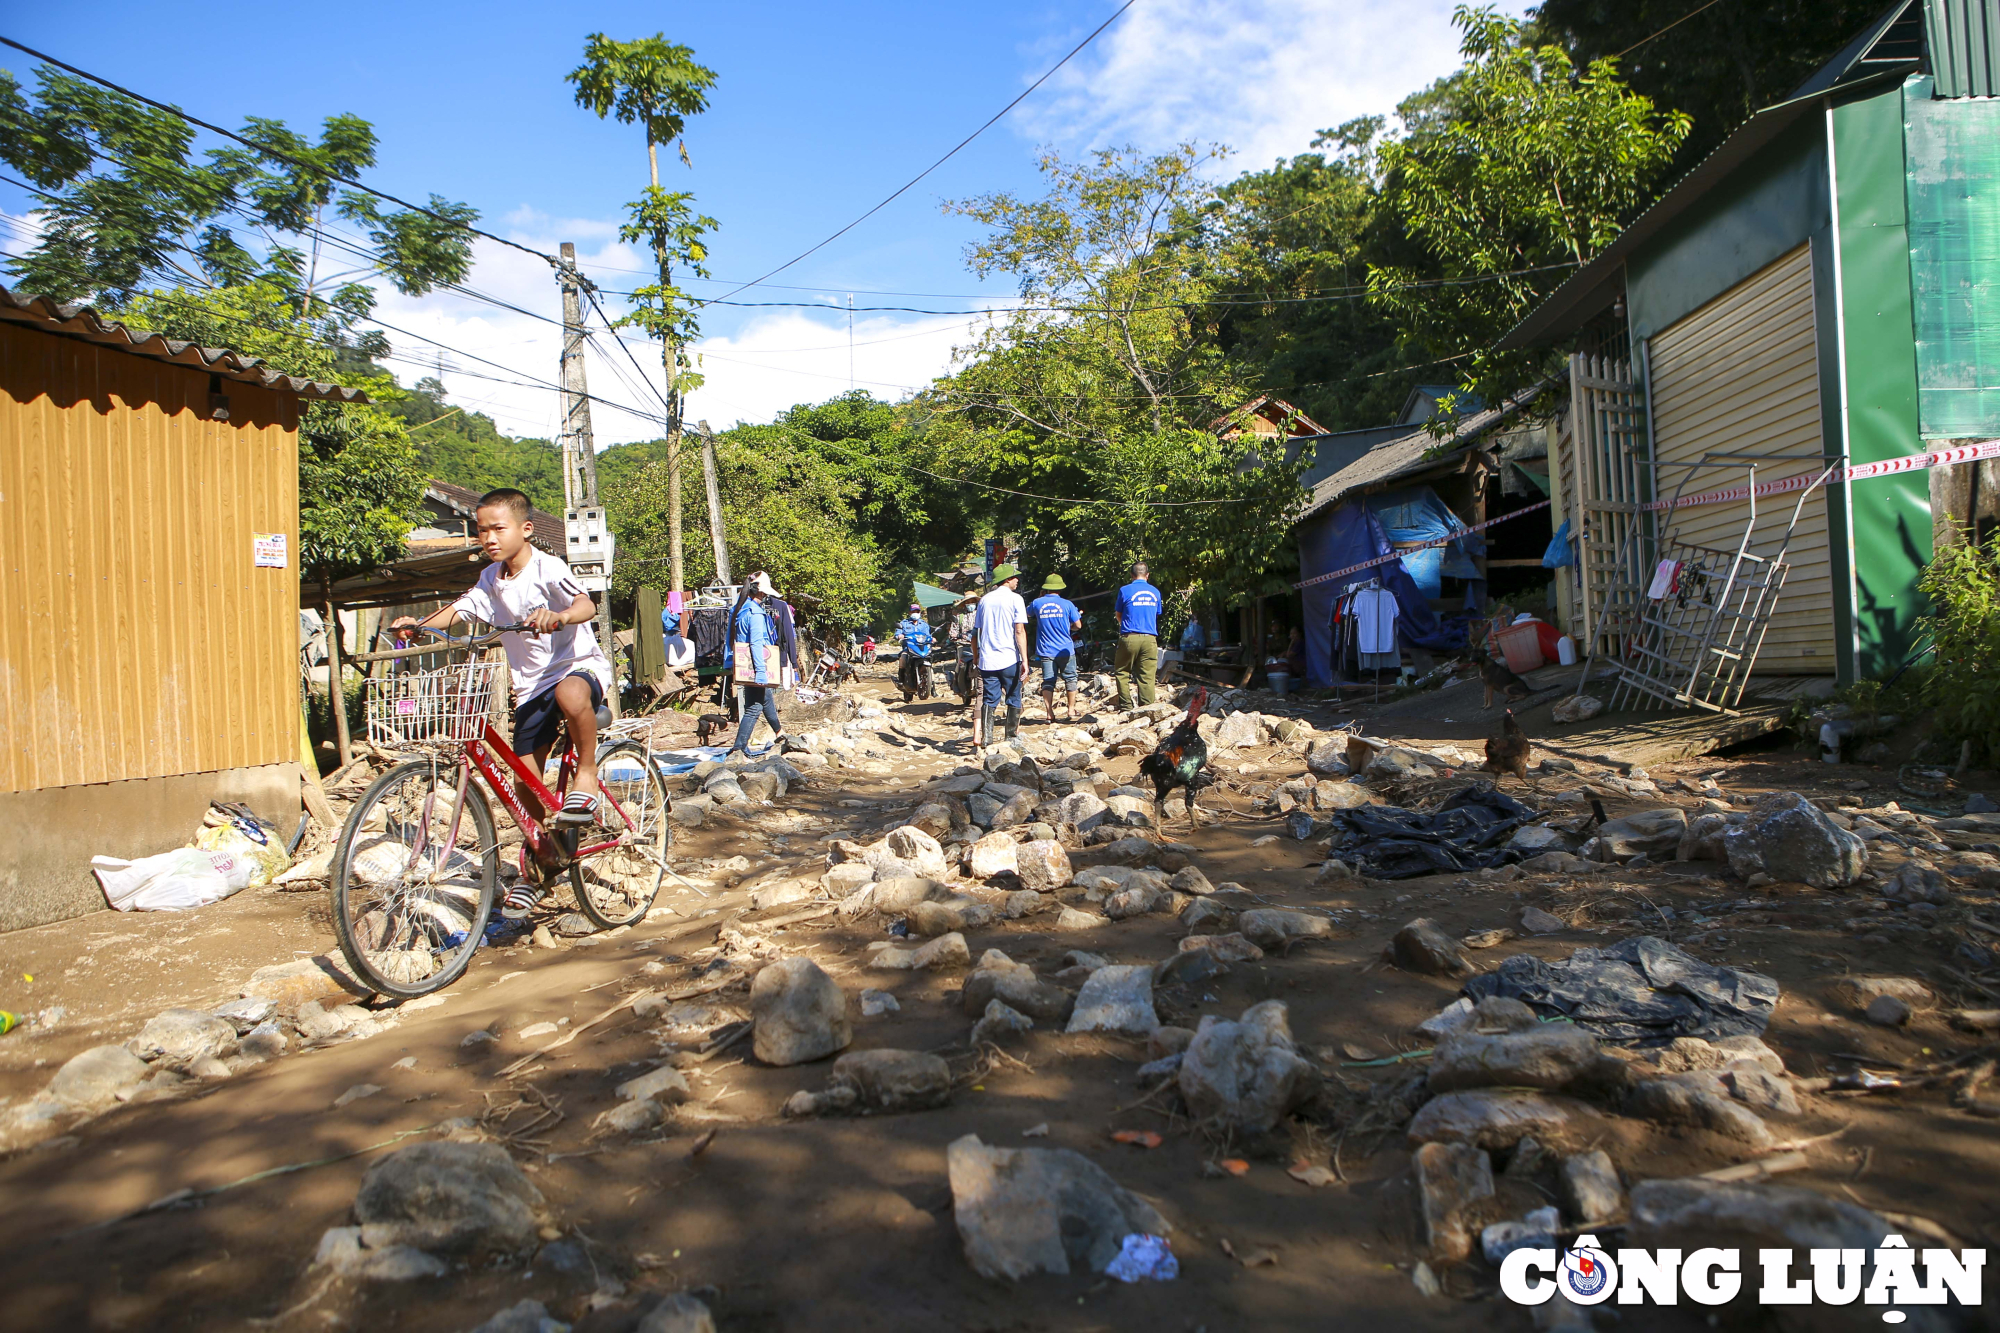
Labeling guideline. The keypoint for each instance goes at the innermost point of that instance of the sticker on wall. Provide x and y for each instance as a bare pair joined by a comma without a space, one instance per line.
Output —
269,549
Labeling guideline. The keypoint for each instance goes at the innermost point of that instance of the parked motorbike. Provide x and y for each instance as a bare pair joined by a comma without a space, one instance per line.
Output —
868,651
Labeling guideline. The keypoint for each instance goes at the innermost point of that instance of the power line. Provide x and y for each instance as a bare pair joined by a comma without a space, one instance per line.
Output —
1662,32
905,187
269,151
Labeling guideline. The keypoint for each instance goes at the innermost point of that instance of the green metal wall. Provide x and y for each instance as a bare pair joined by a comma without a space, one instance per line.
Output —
1953,191
1888,518
1964,40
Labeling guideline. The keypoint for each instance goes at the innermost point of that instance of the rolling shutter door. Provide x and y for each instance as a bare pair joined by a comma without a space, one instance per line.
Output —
1741,375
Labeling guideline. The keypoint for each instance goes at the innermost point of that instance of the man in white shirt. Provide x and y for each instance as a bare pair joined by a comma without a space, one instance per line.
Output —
1000,631
558,672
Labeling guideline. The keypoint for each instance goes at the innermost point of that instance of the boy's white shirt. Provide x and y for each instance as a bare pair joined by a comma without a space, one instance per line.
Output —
536,662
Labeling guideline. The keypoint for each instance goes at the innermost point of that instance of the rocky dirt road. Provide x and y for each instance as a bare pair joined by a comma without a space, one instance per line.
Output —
1220,1034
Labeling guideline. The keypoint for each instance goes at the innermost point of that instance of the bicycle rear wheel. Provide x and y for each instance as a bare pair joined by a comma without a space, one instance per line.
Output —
617,887
410,899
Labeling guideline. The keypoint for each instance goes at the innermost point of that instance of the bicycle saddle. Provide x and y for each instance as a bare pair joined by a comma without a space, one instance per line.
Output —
603,717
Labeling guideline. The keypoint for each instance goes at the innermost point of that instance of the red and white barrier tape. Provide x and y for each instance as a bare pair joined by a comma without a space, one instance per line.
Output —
1965,453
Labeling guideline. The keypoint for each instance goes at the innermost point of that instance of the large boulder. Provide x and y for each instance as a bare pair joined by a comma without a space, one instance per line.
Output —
1591,1192
1697,1099
1327,759
181,1037
995,854
1040,1210
907,851
1799,842
1276,927
1116,999
1244,1076
1423,946
1693,1213
1083,809
449,1198
1655,833
1239,731
1131,811
1703,839
1043,865
1452,1179
97,1078
1553,1057
1491,1118
797,1013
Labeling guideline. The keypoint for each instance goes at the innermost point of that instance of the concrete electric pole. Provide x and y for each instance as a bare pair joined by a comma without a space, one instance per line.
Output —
589,541
716,536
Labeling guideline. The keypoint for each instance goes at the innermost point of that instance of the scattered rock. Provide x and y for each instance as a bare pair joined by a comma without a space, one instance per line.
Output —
1797,835
356,1093
893,897
1703,839
1576,708
1535,1230
845,879
999,977
1451,1179
289,985
1043,865
1590,1188
1648,833
799,1013
943,916
1916,883
245,1014
678,1313
945,951
1689,1099
341,1249
634,1117
1190,967
1537,922
1536,838
1887,1011
449,1198
1758,1087
1230,948
1040,1210
523,1317
1553,1057
1205,916
907,851
994,854
664,1084
1116,999
1072,919
1246,1075
875,1003
266,1041
1555,863
97,1078
781,893
894,1080
1276,927
1190,880
1693,1213
1490,1119
1422,946
1000,1022
1864,990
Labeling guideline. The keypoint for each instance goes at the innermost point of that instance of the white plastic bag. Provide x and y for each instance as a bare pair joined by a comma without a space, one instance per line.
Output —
175,881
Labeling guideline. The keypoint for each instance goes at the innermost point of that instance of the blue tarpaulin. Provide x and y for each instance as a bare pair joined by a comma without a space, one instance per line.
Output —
1348,534
1415,514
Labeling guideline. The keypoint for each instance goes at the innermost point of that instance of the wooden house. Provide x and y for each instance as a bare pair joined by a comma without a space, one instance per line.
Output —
149,530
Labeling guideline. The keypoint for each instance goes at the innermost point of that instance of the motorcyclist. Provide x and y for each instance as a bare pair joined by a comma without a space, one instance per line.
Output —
917,641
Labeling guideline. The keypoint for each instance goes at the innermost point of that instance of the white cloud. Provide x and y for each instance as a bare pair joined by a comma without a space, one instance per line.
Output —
1259,75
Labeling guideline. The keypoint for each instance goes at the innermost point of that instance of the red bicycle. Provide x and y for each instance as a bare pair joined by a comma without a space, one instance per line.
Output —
417,868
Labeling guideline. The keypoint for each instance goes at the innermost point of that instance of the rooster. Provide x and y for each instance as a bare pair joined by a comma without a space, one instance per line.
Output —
1508,752
1179,761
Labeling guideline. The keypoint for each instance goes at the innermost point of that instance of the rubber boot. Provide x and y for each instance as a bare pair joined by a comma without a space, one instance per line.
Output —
986,736
1013,722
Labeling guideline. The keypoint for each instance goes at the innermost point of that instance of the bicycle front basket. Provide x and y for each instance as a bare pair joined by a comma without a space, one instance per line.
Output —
430,707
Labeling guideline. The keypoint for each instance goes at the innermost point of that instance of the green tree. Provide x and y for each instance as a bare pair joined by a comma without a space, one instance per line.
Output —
1516,170
1086,414
125,202
1719,63
465,447
656,84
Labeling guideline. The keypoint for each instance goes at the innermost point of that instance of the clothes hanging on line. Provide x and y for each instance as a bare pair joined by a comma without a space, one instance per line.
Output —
1375,613
1664,579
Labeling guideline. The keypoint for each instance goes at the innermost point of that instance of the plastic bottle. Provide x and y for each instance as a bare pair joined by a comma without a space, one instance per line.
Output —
8,1022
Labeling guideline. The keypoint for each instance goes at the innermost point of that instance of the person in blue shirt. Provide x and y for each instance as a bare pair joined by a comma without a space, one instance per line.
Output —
915,633
1138,657
1056,620
755,634
1194,638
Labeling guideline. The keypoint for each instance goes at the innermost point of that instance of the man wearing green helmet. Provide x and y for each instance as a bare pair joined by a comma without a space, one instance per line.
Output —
1000,629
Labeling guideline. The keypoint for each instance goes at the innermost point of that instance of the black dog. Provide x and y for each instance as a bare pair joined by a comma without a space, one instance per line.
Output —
710,723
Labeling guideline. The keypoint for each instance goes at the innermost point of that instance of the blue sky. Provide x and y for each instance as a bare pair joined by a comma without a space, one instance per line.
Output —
820,110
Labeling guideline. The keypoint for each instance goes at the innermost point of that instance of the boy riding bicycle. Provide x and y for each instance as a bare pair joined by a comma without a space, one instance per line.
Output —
559,674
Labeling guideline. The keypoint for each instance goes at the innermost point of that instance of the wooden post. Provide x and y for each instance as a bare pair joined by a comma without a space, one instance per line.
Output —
1479,476
715,533
335,694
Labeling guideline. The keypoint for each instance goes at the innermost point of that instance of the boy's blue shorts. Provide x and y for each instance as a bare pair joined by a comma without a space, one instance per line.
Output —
536,721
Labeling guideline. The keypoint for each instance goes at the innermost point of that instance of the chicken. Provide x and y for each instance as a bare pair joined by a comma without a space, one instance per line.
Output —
1181,760
1508,752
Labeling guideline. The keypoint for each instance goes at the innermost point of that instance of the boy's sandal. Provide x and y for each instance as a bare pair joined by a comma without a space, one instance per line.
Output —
578,808
520,902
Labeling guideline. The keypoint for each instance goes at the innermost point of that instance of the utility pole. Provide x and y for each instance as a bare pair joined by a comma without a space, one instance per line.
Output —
850,342
589,541
715,533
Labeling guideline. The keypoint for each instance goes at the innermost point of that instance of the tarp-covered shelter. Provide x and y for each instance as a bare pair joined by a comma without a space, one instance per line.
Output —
1392,493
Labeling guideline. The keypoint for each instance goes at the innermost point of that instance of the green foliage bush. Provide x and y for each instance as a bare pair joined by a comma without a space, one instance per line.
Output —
1963,584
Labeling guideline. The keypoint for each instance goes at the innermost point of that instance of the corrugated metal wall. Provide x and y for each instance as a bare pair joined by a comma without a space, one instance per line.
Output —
1964,38
136,637
1741,374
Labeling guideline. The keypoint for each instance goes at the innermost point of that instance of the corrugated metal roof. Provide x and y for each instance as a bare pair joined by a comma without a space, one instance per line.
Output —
1964,40
1409,454
75,320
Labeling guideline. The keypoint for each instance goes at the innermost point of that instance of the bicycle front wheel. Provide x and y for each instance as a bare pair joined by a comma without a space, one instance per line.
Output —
411,895
617,887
